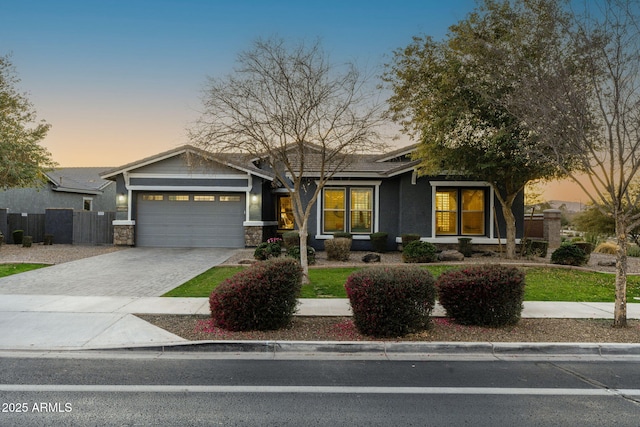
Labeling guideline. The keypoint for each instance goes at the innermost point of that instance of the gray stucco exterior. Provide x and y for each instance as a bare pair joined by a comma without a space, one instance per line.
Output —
401,202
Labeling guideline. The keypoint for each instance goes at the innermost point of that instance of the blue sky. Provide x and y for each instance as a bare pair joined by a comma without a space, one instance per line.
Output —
120,80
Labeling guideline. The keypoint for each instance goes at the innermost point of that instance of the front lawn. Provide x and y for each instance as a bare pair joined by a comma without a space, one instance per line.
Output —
9,269
543,284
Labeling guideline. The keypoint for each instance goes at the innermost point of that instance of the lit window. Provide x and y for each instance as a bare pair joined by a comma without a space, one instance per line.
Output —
469,202
178,197
447,211
334,207
229,198
361,210
204,198
153,197
473,211
285,213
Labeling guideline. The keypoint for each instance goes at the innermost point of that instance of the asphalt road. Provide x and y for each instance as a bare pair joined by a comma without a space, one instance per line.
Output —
198,389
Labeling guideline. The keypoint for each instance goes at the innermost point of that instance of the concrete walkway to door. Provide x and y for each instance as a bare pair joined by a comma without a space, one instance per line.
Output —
136,272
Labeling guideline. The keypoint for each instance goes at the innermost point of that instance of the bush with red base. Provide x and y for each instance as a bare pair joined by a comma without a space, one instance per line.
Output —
486,295
262,297
391,301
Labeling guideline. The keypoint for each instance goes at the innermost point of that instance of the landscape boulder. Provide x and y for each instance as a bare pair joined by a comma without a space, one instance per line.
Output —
371,258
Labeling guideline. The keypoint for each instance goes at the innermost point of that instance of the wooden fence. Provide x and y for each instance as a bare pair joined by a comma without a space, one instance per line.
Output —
66,226
92,228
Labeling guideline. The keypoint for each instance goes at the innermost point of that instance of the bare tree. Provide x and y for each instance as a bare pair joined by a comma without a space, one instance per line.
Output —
291,108
583,100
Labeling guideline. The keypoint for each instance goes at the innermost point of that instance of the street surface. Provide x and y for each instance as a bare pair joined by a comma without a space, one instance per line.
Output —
199,389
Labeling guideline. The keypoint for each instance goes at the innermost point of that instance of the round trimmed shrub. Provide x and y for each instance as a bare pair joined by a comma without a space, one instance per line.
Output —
379,241
17,236
338,248
294,252
569,254
262,297
484,295
409,237
418,251
391,301
291,239
267,250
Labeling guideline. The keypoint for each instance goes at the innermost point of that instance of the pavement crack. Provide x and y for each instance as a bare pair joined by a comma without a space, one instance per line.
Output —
597,384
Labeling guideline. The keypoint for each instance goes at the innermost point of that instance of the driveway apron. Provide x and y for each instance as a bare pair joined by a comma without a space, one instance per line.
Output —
136,272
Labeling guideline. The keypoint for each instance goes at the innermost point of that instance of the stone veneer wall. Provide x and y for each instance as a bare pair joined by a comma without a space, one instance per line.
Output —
254,235
123,235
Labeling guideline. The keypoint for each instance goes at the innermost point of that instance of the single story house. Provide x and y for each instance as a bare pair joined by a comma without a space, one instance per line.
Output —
187,197
79,189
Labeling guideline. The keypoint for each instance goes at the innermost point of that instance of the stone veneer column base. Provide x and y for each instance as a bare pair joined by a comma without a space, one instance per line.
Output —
123,235
253,235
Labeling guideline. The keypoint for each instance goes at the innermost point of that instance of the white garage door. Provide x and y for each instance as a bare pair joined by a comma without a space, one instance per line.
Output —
182,220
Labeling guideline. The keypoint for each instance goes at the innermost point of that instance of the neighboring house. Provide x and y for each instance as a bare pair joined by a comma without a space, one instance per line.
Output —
71,188
187,197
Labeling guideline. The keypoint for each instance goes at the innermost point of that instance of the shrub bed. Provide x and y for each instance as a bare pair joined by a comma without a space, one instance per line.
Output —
379,241
262,297
338,248
391,301
484,295
294,252
569,254
270,249
417,251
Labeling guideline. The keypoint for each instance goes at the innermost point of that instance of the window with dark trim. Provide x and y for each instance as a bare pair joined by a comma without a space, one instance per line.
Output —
284,212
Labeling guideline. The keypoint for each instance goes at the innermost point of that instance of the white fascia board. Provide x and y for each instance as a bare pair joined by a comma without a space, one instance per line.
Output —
188,188
143,164
190,176
354,183
459,184
258,223
76,190
401,171
123,222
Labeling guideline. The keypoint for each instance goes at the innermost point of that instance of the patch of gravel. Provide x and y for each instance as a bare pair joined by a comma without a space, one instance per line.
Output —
302,328
51,254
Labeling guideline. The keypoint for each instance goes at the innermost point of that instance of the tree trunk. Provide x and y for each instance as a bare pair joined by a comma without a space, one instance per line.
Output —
510,221
304,260
620,310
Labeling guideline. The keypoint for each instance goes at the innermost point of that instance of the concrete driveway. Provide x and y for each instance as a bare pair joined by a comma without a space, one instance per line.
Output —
136,272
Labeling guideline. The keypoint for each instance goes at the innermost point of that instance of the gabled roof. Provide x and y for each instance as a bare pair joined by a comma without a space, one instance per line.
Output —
238,161
77,180
358,165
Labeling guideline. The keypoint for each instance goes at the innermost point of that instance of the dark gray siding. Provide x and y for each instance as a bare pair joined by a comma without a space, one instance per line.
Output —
37,200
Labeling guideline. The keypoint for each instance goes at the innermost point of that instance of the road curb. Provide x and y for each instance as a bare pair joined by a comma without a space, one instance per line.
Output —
400,348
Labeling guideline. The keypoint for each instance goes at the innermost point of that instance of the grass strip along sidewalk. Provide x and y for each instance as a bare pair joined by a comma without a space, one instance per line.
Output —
543,283
9,269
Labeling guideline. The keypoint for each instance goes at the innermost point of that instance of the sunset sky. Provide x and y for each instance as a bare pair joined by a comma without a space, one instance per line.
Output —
120,80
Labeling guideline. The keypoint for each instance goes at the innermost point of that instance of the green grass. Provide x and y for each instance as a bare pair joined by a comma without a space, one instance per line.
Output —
543,284
556,284
202,285
9,269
